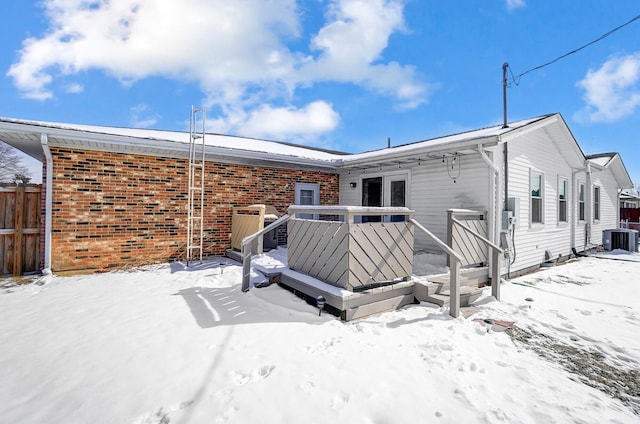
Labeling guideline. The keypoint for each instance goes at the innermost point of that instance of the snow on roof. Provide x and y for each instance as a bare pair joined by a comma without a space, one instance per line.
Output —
138,136
601,159
214,140
446,141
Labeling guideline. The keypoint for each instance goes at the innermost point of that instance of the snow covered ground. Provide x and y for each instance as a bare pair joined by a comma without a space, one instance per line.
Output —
170,344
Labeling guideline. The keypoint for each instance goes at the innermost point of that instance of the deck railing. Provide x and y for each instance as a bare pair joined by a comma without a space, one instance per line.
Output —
351,247
456,225
454,269
249,245
355,247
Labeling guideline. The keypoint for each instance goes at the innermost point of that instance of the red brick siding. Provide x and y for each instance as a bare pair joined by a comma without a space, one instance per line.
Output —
115,210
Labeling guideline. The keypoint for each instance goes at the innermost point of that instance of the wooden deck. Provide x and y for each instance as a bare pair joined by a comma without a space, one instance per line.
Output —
350,305
353,305
360,259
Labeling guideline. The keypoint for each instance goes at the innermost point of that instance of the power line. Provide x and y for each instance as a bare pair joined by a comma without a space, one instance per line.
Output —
516,80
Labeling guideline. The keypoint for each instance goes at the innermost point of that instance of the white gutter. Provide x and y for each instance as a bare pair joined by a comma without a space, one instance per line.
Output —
48,201
588,205
495,223
575,192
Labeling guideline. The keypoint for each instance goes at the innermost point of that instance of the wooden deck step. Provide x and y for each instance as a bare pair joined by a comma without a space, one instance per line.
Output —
234,254
471,277
431,293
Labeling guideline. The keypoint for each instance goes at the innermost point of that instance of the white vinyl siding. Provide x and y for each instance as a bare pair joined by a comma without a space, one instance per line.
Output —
430,191
551,151
536,152
608,204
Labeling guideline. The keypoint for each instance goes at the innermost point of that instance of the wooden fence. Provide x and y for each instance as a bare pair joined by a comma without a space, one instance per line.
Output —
630,214
19,229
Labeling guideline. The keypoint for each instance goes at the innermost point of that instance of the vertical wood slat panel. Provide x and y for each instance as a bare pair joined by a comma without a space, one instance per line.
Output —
20,227
245,221
17,234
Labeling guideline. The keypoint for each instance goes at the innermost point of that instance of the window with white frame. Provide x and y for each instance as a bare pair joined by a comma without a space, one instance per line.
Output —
307,194
562,200
596,203
536,198
581,202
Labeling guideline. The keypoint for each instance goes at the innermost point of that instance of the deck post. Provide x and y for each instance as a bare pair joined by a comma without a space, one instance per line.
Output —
454,279
449,233
495,274
246,265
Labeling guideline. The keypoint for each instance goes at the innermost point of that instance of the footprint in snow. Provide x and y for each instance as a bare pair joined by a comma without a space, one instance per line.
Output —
261,373
307,386
159,416
340,400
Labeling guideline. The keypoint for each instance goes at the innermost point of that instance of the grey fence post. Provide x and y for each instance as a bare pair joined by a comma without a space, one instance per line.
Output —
454,282
495,273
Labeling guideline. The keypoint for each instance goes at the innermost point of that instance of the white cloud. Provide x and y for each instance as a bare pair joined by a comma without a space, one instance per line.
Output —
74,88
142,117
350,46
281,123
238,52
515,4
612,92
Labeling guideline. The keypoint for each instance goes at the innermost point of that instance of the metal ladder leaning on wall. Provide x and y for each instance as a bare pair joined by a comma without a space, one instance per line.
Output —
195,218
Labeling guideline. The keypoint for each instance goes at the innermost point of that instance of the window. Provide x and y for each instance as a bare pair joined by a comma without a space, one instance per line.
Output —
307,194
581,202
562,200
596,203
372,196
536,198
397,195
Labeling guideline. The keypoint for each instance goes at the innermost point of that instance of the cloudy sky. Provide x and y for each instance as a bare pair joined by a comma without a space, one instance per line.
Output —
341,74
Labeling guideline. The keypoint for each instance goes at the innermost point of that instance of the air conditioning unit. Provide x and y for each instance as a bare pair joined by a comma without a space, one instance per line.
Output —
620,238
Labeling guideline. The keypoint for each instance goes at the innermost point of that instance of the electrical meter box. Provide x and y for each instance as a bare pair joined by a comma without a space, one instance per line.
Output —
513,205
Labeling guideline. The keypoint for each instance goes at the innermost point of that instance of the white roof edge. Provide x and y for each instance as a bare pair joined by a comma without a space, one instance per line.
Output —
274,152
617,167
469,139
137,139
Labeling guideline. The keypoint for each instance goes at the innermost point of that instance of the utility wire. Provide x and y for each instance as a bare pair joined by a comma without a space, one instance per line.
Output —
516,80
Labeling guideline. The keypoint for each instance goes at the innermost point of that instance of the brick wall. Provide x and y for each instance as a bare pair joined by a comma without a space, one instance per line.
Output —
113,210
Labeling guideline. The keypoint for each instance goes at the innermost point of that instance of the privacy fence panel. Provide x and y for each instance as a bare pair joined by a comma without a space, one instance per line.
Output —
19,229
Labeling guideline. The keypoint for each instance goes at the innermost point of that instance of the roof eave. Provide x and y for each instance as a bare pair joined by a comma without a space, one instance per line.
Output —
389,156
74,138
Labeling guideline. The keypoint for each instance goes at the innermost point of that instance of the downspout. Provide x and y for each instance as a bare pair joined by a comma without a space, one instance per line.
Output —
588,207
618,217
48,202
494,187
505,66
493,198
506,177
574,205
